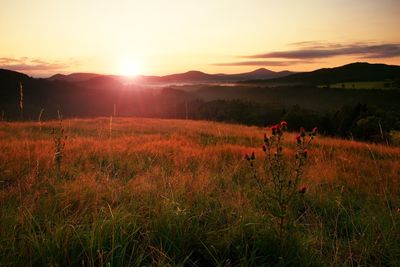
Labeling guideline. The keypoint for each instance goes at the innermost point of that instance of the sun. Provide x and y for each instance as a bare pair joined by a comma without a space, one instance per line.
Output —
129,67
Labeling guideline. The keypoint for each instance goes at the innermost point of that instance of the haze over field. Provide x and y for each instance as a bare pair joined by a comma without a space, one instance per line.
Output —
45,37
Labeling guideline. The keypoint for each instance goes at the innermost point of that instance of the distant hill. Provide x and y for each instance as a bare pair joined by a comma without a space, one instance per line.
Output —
74,77
190,76
186,77
97,95
198,76
348,73
256,74
101,82
8,76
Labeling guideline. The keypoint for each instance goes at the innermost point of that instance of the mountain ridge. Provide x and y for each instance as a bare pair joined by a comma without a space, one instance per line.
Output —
188,76
352,72
357,71
98,95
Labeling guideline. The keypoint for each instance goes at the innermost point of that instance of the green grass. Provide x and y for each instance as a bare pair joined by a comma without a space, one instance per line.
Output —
168,192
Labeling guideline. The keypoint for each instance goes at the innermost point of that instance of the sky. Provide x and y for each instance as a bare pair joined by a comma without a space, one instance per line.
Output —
159,37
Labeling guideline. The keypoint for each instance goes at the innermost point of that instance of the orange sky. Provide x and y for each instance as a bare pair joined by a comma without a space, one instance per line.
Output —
159,37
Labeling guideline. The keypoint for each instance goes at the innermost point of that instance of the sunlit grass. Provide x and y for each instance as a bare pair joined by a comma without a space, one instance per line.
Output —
179,192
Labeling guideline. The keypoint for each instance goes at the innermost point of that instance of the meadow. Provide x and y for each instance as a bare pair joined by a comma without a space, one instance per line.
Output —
144,192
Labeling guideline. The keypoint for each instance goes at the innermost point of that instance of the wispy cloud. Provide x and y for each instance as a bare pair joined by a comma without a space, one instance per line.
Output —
32,64
263,63
311,50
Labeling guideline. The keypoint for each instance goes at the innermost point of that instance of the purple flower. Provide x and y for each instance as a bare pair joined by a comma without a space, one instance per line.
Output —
302,132
314,131
274,129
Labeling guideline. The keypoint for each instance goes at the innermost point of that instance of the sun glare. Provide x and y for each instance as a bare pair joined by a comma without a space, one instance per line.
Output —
129,67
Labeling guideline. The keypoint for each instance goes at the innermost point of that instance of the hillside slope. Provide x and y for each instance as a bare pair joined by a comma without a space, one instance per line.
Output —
165,192
359,71
185,77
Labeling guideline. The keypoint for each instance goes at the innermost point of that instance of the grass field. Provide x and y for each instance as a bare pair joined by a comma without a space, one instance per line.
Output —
172,192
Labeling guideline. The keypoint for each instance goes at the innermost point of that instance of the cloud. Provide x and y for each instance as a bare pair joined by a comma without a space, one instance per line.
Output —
31,64
311,50
264,63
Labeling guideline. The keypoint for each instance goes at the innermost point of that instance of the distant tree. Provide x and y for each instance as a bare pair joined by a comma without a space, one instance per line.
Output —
369,128
297,117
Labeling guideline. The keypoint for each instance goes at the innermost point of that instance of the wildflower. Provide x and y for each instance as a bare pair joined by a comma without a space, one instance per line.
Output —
314,131
302,132
277,129
277,171
274,129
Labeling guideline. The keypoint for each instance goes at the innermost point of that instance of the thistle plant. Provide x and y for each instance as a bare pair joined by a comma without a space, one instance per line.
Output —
280,180
59,138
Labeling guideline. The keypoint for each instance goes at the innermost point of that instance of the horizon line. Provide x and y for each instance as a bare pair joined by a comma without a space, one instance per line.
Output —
183,72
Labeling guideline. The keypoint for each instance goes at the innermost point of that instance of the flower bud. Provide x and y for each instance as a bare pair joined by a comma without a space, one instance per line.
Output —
302,132
314,131
274,130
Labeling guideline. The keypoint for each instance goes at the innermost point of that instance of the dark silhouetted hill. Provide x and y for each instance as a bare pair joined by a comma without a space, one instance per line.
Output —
74,77
261,73
97,95
186,77
353,72
102,82
198,76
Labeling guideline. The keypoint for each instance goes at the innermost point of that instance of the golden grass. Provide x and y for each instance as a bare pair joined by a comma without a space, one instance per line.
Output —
170,161
194,152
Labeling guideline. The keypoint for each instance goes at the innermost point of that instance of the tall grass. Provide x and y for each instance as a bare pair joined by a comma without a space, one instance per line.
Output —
169,192
21,100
